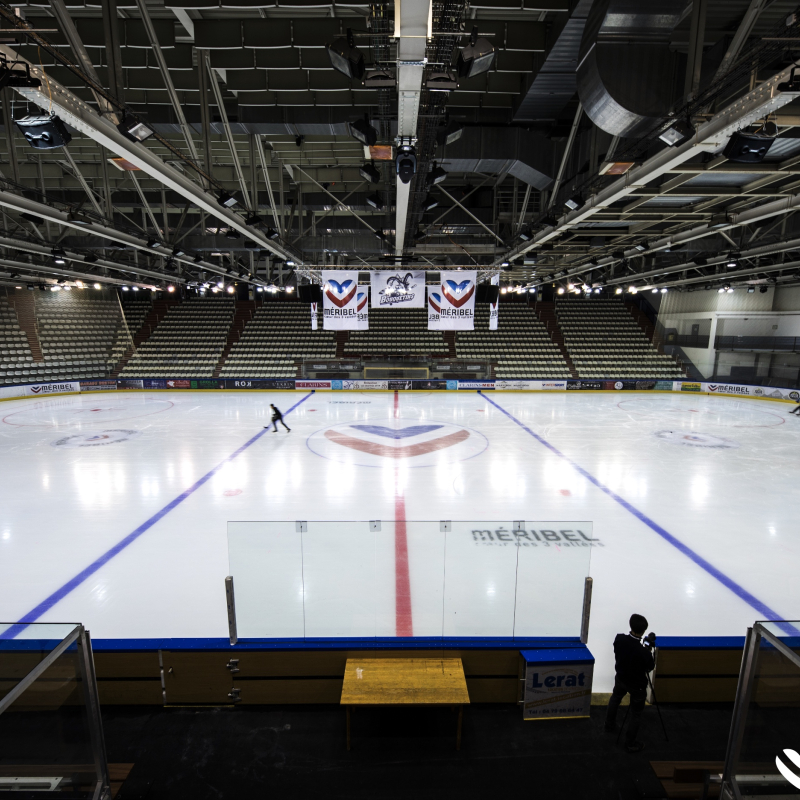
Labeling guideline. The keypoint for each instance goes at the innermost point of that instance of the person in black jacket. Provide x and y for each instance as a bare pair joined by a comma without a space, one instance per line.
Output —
634,660
276,418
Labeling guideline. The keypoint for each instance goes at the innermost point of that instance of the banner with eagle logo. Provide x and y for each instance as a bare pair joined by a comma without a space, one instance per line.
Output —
455,298
340,300
397,288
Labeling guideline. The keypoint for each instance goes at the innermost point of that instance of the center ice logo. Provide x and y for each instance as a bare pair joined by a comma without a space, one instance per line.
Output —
458,293
340,294
414,443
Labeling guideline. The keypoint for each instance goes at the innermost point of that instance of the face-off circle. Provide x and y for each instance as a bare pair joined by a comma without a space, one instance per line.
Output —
423,443
696,439
95,439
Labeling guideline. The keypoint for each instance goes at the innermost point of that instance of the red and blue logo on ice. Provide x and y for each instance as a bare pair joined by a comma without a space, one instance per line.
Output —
374,439
458,293
340,294
435,302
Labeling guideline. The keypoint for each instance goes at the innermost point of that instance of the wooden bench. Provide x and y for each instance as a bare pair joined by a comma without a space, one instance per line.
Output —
405,682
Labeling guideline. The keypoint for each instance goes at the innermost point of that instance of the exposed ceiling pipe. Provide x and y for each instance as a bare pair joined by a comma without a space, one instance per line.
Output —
710,137
22,267
413,22
573,132
83,118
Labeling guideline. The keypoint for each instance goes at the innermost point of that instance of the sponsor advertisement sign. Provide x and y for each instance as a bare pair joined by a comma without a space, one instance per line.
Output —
340,300
663,386
776,394
154,383
260,384
434,385
360,385
557,689
688,386
572,384
727,388
129,383
397,288
179,384
207,383
549,386
40,389
476,384
312,385
399,386
98,386
629,385
455,297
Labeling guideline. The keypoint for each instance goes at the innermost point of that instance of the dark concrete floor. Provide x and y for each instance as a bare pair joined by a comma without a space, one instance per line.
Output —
299,751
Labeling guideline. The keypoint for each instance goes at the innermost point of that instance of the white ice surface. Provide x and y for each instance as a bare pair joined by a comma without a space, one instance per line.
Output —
62,507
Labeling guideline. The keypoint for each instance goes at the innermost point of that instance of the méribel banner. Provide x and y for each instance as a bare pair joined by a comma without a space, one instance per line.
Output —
455,298
340,300
397,288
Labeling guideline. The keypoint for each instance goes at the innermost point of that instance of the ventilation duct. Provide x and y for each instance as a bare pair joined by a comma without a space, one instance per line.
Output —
625,69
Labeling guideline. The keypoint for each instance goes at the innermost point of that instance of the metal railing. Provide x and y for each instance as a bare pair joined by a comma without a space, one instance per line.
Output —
781,344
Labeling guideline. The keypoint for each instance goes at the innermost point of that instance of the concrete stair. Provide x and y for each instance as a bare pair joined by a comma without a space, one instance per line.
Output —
245,309
24,305
157,313
546,313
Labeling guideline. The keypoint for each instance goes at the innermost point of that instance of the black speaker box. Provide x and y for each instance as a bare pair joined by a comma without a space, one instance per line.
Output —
45,132
742,148
310,293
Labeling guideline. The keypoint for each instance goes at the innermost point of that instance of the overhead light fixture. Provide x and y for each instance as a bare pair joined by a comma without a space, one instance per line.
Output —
442,81
751,289
729,290
654,290
573,202
721,290
615,167
364,132
375,201
198,259
526,234
17,77
226,199
732,261
153,243
369,172
79,218
679,132
793,84
178,251
477,57
406,163
170,288
560,290
744,148
664,290
98,286
437,175
429,203
632,289
346,57
231,290
618,290
448,134
641,246
253,219
134,129
379,79
272,234
44,132
124,288
59,256
232,233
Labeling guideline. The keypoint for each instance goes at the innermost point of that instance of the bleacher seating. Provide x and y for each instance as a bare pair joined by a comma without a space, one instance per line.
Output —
521,346
16,359
135,312
278,334
604,341
396,330
188,342
78,333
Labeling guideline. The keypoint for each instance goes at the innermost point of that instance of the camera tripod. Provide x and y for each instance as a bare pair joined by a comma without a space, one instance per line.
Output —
658,709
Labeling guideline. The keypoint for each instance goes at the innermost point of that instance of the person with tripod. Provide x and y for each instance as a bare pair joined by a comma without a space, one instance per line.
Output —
634,662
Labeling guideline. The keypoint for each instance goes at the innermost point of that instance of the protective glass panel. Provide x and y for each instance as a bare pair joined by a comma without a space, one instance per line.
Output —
427,579
45,735
769,761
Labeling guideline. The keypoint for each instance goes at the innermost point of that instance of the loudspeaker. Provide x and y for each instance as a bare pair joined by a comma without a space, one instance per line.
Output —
487,293
45,132
743,148
310,293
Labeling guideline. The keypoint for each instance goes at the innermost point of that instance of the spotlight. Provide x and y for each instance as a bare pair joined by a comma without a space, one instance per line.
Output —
272,234
429,203
441,82
231,290
375,201
437,175
153,243
79,218
363,131
573,202
549,220
664,290
98,286
59,257
131,128
678,133
561,290
226,199
720,290
729,290
792,85
90,258
654,291
751,289
135,288
178,251
379,79
448,133
124,288
369,172
618,290
44,132
346,57
231,233
476,58
253,219
406,163
632,289
170,288
526,234
18,77
732,261
198,259
641,247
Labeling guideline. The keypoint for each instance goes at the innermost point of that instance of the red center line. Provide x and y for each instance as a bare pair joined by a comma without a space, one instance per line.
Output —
402,581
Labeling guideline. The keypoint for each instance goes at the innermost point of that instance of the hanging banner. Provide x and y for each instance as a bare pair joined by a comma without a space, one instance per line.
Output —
456,296
362,308
313,316
434,308
397,288
339,300
494,307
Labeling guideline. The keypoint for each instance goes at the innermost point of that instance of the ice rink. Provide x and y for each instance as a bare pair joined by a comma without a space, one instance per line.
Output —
115,507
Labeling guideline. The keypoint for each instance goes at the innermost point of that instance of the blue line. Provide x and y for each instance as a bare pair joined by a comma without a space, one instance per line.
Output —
69,586
727,582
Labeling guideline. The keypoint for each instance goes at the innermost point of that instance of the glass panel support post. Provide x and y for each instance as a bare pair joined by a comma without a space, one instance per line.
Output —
587,609
231,604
